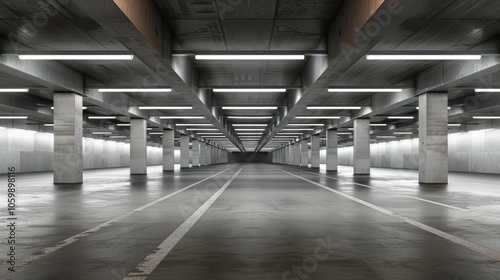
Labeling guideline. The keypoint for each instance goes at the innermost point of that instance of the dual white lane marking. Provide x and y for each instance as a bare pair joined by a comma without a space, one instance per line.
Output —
28,259
408,196
145,268
472,246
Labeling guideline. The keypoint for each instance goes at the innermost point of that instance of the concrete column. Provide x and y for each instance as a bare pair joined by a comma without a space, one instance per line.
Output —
68,145
203,153
286,153
304,150
332,158
138,147
315,151
168,150
196,153
296,156
433,134
362,147
291,152
209,154
184,151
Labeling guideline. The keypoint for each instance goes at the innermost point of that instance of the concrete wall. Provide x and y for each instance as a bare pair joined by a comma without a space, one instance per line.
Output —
250,157
31,151
476,152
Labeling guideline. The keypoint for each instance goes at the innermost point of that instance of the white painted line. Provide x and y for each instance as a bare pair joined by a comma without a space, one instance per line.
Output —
337,179
436,203
28,259
145,268
472,246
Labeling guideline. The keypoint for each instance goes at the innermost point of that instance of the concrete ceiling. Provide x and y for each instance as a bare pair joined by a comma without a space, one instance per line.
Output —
174,31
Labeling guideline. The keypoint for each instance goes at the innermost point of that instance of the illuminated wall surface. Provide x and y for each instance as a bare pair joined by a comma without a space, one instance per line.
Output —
477,152
31,151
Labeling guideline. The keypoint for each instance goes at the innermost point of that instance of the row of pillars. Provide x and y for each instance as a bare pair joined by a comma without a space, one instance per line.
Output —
68,144
433,136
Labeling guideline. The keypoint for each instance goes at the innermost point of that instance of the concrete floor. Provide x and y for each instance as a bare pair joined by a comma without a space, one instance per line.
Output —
267,224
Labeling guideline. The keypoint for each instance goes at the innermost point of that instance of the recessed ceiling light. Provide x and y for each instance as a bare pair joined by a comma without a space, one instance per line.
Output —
13,117
423,57
333,108
306,124
249,57
365,90
248,125
76,57
165,107
249,118
14,90
401,118
249,90
135,90
487,89
487,117
102,117
249,108
317,117
194,124
181,118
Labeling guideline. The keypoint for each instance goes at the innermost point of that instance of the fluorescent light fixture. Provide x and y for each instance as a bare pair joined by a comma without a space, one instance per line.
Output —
181,118
250,129
423,57
123,124
344,133
298,129
401,118
117,137
378,124
333,107
14,90
194,124
306,124
418,108
250,57
202,129
102,117
76,57
83,108
102,133
249,90
204,133
213,136
317,118
49,124
165,107
13,117
350,128
454,124
249,118
282,133
403,133
365,90
247,125
487,117
387,137
155,133
250,108
135,90
487,89
288,137
253,133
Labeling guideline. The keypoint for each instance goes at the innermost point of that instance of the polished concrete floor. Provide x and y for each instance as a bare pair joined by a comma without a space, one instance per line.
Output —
255,221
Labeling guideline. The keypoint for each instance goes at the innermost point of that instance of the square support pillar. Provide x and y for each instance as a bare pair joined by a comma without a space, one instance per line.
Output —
203,153
296,156
315,151
68,138
332,159
196,153
304,151
209,154
168,150
433,138
138,147
184,151
362,147
291,154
